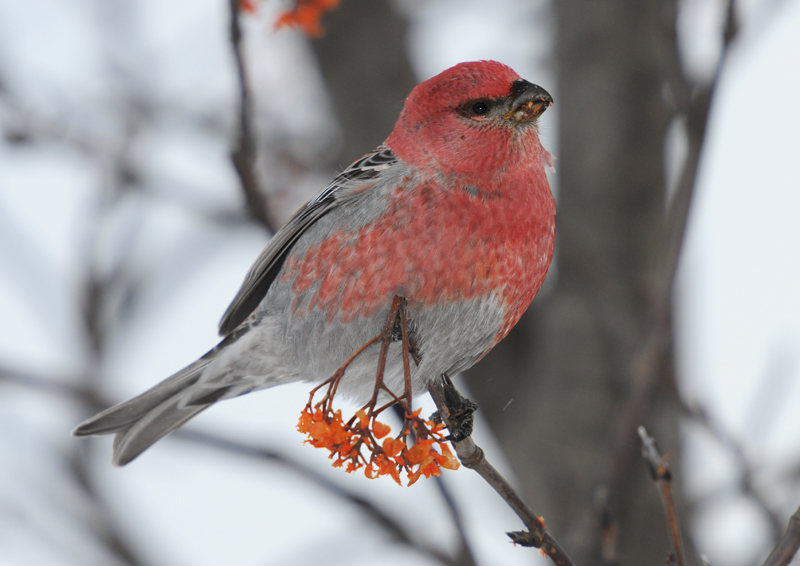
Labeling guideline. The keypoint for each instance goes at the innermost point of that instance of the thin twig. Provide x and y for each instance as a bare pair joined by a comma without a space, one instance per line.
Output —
97,288
244,155
107,528
692,102
58,388
405,336
787,546
369,509
465,556
662,477
87,396
747,478
472,456
609,529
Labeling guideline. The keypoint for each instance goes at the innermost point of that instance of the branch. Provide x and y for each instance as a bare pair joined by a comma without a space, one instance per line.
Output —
787,546
746,481
244,155
105,529
86,395
265,454
662,477
451,405
609,529
465,556
693,102
53,387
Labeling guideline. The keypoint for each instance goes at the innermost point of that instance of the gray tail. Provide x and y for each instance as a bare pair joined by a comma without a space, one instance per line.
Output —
143,420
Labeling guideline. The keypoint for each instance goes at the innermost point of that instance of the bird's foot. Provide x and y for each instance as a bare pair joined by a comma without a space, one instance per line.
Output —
460,420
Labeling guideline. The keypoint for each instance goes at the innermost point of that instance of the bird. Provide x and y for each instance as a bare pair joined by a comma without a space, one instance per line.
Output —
453,213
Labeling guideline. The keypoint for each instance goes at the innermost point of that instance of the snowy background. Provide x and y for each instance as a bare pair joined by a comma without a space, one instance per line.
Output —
117,122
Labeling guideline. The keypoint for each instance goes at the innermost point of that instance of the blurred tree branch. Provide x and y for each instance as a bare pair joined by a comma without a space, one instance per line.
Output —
88,396
653,363
363,59
693,101
602,340
785,547
747,483
392,527
609,529
244,154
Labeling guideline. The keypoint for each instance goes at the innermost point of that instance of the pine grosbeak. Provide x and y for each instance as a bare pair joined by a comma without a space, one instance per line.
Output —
453,212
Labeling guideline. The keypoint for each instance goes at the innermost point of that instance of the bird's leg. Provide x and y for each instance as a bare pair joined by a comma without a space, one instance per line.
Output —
406,352
406,338
419,449
400,331
386,339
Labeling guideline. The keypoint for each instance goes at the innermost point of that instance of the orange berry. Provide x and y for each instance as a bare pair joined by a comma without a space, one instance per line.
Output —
380,430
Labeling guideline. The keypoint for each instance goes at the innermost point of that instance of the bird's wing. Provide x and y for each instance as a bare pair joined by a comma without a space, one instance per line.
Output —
354,180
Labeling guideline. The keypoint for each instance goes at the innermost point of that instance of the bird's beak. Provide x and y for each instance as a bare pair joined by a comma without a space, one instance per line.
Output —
530,102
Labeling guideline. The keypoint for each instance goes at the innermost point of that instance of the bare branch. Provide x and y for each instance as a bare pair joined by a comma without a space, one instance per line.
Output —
747,469
244,155
450,402
370,510
465,556
662,477
609,530
87,395
58,388
693,102
106,530
787,546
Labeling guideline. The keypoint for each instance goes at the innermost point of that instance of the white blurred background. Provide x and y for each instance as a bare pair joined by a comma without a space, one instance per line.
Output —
123,236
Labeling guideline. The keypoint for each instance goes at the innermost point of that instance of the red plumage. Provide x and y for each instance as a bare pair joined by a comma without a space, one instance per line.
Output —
453,212
479,219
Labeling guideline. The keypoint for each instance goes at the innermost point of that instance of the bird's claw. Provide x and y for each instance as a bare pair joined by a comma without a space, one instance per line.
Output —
460,420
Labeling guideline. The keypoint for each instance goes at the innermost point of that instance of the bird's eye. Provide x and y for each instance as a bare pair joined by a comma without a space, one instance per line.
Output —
480,108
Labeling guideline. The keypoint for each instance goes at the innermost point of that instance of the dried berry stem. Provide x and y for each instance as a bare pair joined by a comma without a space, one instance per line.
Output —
413,450
333,381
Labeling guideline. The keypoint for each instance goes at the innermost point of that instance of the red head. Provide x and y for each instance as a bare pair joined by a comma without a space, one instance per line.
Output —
472,118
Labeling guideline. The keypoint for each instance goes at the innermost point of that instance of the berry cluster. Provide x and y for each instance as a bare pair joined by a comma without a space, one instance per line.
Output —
306,15
357,442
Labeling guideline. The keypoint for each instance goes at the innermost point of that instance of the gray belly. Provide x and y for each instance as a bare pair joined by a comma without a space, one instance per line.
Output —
279,347
450,338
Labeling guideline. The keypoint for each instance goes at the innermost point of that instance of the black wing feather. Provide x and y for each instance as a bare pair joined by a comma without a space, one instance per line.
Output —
269,263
